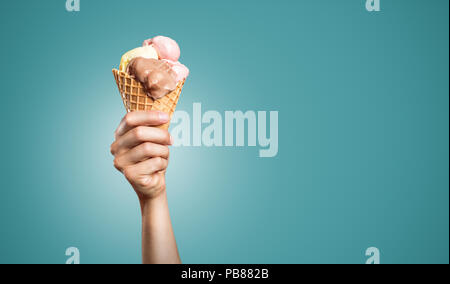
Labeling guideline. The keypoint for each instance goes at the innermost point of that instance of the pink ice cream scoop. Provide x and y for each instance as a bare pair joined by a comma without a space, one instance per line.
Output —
167,48
180,70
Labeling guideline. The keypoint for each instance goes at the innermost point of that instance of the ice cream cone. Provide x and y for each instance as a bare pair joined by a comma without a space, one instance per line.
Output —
134,96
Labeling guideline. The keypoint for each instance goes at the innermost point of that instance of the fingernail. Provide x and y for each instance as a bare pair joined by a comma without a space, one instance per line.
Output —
163,116
171,140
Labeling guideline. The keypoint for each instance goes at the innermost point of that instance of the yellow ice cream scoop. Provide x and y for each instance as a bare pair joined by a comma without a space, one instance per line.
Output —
148,52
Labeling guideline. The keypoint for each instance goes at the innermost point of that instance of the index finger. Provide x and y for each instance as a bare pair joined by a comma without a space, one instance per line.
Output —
141,118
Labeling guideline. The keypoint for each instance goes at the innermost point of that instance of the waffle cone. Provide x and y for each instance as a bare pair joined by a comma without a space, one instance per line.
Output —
135,98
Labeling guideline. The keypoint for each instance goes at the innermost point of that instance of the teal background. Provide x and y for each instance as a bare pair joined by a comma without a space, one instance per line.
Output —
363,157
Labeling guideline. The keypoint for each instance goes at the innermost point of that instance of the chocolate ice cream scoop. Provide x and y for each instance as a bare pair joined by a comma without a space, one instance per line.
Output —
156,76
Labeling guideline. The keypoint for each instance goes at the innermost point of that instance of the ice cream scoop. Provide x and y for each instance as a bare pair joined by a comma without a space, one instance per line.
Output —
156,76
180,70
144,52
166,47
151,78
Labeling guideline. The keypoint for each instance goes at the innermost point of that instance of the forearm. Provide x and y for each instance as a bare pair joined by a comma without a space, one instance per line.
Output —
158,240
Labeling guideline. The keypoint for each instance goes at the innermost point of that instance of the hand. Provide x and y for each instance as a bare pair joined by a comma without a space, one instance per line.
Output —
141,152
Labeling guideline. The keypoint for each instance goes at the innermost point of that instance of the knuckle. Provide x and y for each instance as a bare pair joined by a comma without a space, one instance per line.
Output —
117,164
167,136
145,182
166,152
153,181
159,162
139,133
148,148
128,119
112,149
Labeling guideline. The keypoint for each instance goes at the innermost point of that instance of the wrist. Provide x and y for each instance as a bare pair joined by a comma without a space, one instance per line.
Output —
148,203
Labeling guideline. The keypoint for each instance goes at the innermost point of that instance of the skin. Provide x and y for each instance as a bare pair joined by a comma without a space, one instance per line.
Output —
141,153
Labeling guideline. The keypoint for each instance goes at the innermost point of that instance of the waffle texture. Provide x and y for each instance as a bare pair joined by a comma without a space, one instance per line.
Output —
134,96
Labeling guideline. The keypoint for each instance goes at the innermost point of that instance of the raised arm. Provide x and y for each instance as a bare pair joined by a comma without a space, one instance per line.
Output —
142,154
